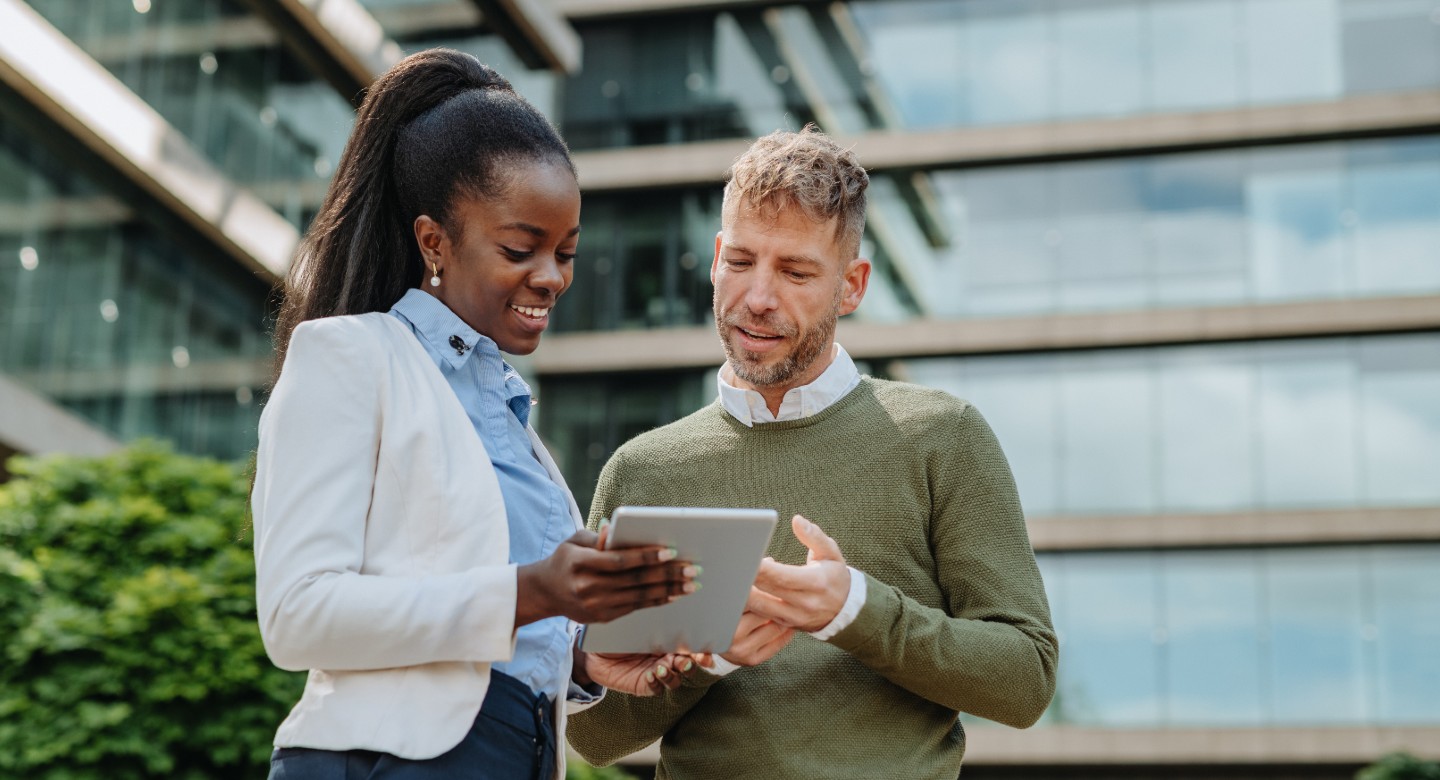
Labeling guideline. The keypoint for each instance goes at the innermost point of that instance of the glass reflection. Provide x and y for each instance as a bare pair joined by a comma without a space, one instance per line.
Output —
1309,222
105,315
1324,423
1339,636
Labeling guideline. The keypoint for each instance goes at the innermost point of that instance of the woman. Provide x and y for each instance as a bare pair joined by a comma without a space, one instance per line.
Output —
416,548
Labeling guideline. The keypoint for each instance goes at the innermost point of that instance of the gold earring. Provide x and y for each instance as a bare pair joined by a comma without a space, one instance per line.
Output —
435,275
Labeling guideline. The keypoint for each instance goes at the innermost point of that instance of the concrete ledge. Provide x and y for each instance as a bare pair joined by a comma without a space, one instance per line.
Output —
1068,745
151,378
32,424
698,347
1235,529
704,163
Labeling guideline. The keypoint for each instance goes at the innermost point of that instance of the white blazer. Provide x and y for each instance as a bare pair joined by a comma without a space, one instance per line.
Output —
381,544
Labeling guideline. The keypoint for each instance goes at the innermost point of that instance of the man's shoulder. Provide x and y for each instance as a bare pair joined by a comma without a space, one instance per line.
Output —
906,402
684,434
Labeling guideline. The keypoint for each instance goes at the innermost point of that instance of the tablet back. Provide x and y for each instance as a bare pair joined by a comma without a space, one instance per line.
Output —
727,543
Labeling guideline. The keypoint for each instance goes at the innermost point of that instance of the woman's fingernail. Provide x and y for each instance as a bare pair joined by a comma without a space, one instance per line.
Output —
690,587
661,671
668,554
694,571
688,665
650,677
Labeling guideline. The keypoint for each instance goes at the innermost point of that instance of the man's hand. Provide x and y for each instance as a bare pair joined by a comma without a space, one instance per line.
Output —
639,674
807,597
757,638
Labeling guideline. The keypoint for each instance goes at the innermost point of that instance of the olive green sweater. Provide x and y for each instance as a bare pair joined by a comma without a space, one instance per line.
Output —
914,487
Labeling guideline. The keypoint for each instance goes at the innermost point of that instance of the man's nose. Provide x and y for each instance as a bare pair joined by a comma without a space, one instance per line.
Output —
761,296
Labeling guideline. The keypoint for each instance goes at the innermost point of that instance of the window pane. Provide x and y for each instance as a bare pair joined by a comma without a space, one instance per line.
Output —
1207,421
1308,435
1110,671
1292,50
1109,465
1315,655
1407,632
1098,57
1401,430
1195,54
1212,617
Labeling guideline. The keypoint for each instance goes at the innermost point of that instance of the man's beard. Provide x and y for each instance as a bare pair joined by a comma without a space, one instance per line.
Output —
809,345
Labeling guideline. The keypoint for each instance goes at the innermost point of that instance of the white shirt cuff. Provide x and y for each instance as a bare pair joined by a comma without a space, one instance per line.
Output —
854,602
722,667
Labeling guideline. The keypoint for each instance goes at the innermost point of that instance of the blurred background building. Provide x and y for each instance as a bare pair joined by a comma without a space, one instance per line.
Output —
1183,254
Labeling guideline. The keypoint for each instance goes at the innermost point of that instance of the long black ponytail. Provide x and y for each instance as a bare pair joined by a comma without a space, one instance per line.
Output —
437,125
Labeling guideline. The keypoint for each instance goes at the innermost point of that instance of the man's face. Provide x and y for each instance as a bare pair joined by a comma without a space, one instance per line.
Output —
781,281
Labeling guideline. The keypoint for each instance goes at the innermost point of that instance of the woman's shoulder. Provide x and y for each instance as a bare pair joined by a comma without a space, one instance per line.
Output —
347,326
351,339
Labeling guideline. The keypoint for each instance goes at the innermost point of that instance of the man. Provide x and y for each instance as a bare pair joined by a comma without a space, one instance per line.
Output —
912,597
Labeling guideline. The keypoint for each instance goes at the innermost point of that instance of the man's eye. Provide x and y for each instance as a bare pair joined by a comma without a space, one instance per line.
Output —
733,263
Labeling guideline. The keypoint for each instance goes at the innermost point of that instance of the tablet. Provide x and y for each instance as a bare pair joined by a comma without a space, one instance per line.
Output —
727,543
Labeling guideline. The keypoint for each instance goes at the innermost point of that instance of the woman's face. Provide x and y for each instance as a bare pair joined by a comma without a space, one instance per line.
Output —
512,258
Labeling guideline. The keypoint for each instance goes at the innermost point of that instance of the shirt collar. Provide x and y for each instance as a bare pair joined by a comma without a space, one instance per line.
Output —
442,329
748,406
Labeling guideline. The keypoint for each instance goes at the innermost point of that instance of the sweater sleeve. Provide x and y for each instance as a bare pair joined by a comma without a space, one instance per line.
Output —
992,652
621,724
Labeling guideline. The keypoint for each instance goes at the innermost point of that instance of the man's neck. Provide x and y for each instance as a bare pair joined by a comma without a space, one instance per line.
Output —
774,395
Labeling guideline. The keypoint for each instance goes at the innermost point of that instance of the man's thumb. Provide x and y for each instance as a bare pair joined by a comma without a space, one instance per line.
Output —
821,546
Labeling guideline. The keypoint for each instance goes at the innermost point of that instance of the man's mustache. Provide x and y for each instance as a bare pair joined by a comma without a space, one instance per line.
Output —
773,325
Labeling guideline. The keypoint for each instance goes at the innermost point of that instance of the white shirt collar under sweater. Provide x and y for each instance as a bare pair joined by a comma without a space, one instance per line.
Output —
748,406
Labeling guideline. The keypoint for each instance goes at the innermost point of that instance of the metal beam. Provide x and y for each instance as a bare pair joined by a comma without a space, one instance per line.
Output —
538,34
337,39
699,347
33,425
68,91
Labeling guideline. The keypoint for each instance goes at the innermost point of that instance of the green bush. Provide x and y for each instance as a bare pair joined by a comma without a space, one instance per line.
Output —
127,621
128,641
1400,766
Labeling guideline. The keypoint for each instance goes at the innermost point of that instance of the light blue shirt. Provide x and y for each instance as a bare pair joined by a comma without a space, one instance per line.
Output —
497,401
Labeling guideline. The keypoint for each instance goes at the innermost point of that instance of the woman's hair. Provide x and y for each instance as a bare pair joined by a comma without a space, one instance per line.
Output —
438,126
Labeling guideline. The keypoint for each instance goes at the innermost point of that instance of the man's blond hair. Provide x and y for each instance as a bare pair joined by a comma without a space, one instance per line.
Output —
805,170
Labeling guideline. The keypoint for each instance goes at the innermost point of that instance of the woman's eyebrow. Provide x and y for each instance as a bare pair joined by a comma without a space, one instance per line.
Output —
536,230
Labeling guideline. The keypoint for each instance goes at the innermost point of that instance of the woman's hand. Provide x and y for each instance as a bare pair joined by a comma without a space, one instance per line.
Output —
590,585
639,674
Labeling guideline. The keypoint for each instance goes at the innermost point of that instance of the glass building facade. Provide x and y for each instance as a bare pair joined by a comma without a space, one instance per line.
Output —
925,64
104,313
107,313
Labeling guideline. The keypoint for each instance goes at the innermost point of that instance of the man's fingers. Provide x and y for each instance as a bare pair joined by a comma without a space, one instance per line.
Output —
778,578
584,538
820,545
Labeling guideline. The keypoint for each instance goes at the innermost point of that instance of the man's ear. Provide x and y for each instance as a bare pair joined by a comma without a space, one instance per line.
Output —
856,279
715,263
